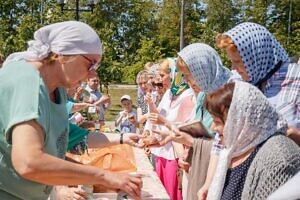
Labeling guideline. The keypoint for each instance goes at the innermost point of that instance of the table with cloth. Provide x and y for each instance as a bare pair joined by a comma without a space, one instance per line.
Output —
124,158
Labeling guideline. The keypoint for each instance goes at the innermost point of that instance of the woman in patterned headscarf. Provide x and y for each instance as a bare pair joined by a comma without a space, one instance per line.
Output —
258,157
262,61
203,69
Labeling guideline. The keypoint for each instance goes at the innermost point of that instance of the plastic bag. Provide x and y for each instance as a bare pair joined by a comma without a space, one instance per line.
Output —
117,158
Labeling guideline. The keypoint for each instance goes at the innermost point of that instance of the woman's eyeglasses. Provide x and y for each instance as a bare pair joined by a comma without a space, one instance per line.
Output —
94,65
159,85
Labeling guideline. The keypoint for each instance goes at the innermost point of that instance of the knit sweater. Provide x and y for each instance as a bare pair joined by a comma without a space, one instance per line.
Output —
276,162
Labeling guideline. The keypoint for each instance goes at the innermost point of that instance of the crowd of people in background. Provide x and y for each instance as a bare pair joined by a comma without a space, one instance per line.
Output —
251,115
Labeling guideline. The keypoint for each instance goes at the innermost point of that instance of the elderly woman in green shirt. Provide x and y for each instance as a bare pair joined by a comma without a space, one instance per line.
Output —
34,121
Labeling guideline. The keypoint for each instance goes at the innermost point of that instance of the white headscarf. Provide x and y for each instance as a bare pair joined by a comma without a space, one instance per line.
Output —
250,121
65,38
206,66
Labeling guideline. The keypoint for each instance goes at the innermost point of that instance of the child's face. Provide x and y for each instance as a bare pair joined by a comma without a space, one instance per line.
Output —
126,105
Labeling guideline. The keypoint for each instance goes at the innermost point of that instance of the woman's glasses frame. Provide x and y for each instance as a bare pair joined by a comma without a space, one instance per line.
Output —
93,65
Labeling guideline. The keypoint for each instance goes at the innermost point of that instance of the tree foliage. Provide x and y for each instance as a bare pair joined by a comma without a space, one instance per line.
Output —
135,32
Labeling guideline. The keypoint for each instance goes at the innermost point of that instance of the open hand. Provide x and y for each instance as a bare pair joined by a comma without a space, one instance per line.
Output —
202,193
129,183
176,136
133,139
103,100
163,133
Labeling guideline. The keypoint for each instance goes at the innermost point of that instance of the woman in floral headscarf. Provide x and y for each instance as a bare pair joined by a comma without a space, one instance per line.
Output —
176,105
263,62
258,157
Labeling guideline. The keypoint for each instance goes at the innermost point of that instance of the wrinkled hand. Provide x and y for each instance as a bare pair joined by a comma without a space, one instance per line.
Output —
79,91
182,137
163,133
133,139
183,164
124,113
91,101
79,119
148,98
146,133
166,136
103,100
129,183
156,118
70,193
202,193
176,136
161,142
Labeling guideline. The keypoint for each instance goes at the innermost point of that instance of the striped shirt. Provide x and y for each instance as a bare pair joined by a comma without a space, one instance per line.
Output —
283,91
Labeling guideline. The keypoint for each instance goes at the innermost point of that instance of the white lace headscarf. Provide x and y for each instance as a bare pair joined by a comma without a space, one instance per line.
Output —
64,38
250,121
206,66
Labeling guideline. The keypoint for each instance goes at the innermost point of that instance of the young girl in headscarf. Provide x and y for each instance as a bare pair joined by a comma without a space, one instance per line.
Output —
257,157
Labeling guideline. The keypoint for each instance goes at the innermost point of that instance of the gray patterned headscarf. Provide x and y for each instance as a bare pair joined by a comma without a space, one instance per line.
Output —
206,66
258,48
251,120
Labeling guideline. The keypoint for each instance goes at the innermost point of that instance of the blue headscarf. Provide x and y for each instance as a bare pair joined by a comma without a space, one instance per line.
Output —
206,66
261,53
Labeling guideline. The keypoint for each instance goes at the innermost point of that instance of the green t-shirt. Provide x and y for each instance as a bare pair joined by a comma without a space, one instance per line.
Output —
24,97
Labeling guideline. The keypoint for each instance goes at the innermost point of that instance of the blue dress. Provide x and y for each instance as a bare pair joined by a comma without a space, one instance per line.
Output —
235,179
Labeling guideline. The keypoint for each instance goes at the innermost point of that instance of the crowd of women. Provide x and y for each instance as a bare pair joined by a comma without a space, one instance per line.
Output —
252,112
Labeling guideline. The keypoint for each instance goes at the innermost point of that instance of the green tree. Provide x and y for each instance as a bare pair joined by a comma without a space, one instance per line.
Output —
286,24
168,27
221,15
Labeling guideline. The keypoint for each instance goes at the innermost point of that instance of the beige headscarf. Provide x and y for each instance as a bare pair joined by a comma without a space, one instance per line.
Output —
251,120
65,38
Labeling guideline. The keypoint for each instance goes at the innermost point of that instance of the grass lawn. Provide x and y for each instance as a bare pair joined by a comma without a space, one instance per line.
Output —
115,94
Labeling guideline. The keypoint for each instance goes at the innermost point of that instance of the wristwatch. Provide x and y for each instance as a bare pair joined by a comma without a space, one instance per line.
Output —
121,138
